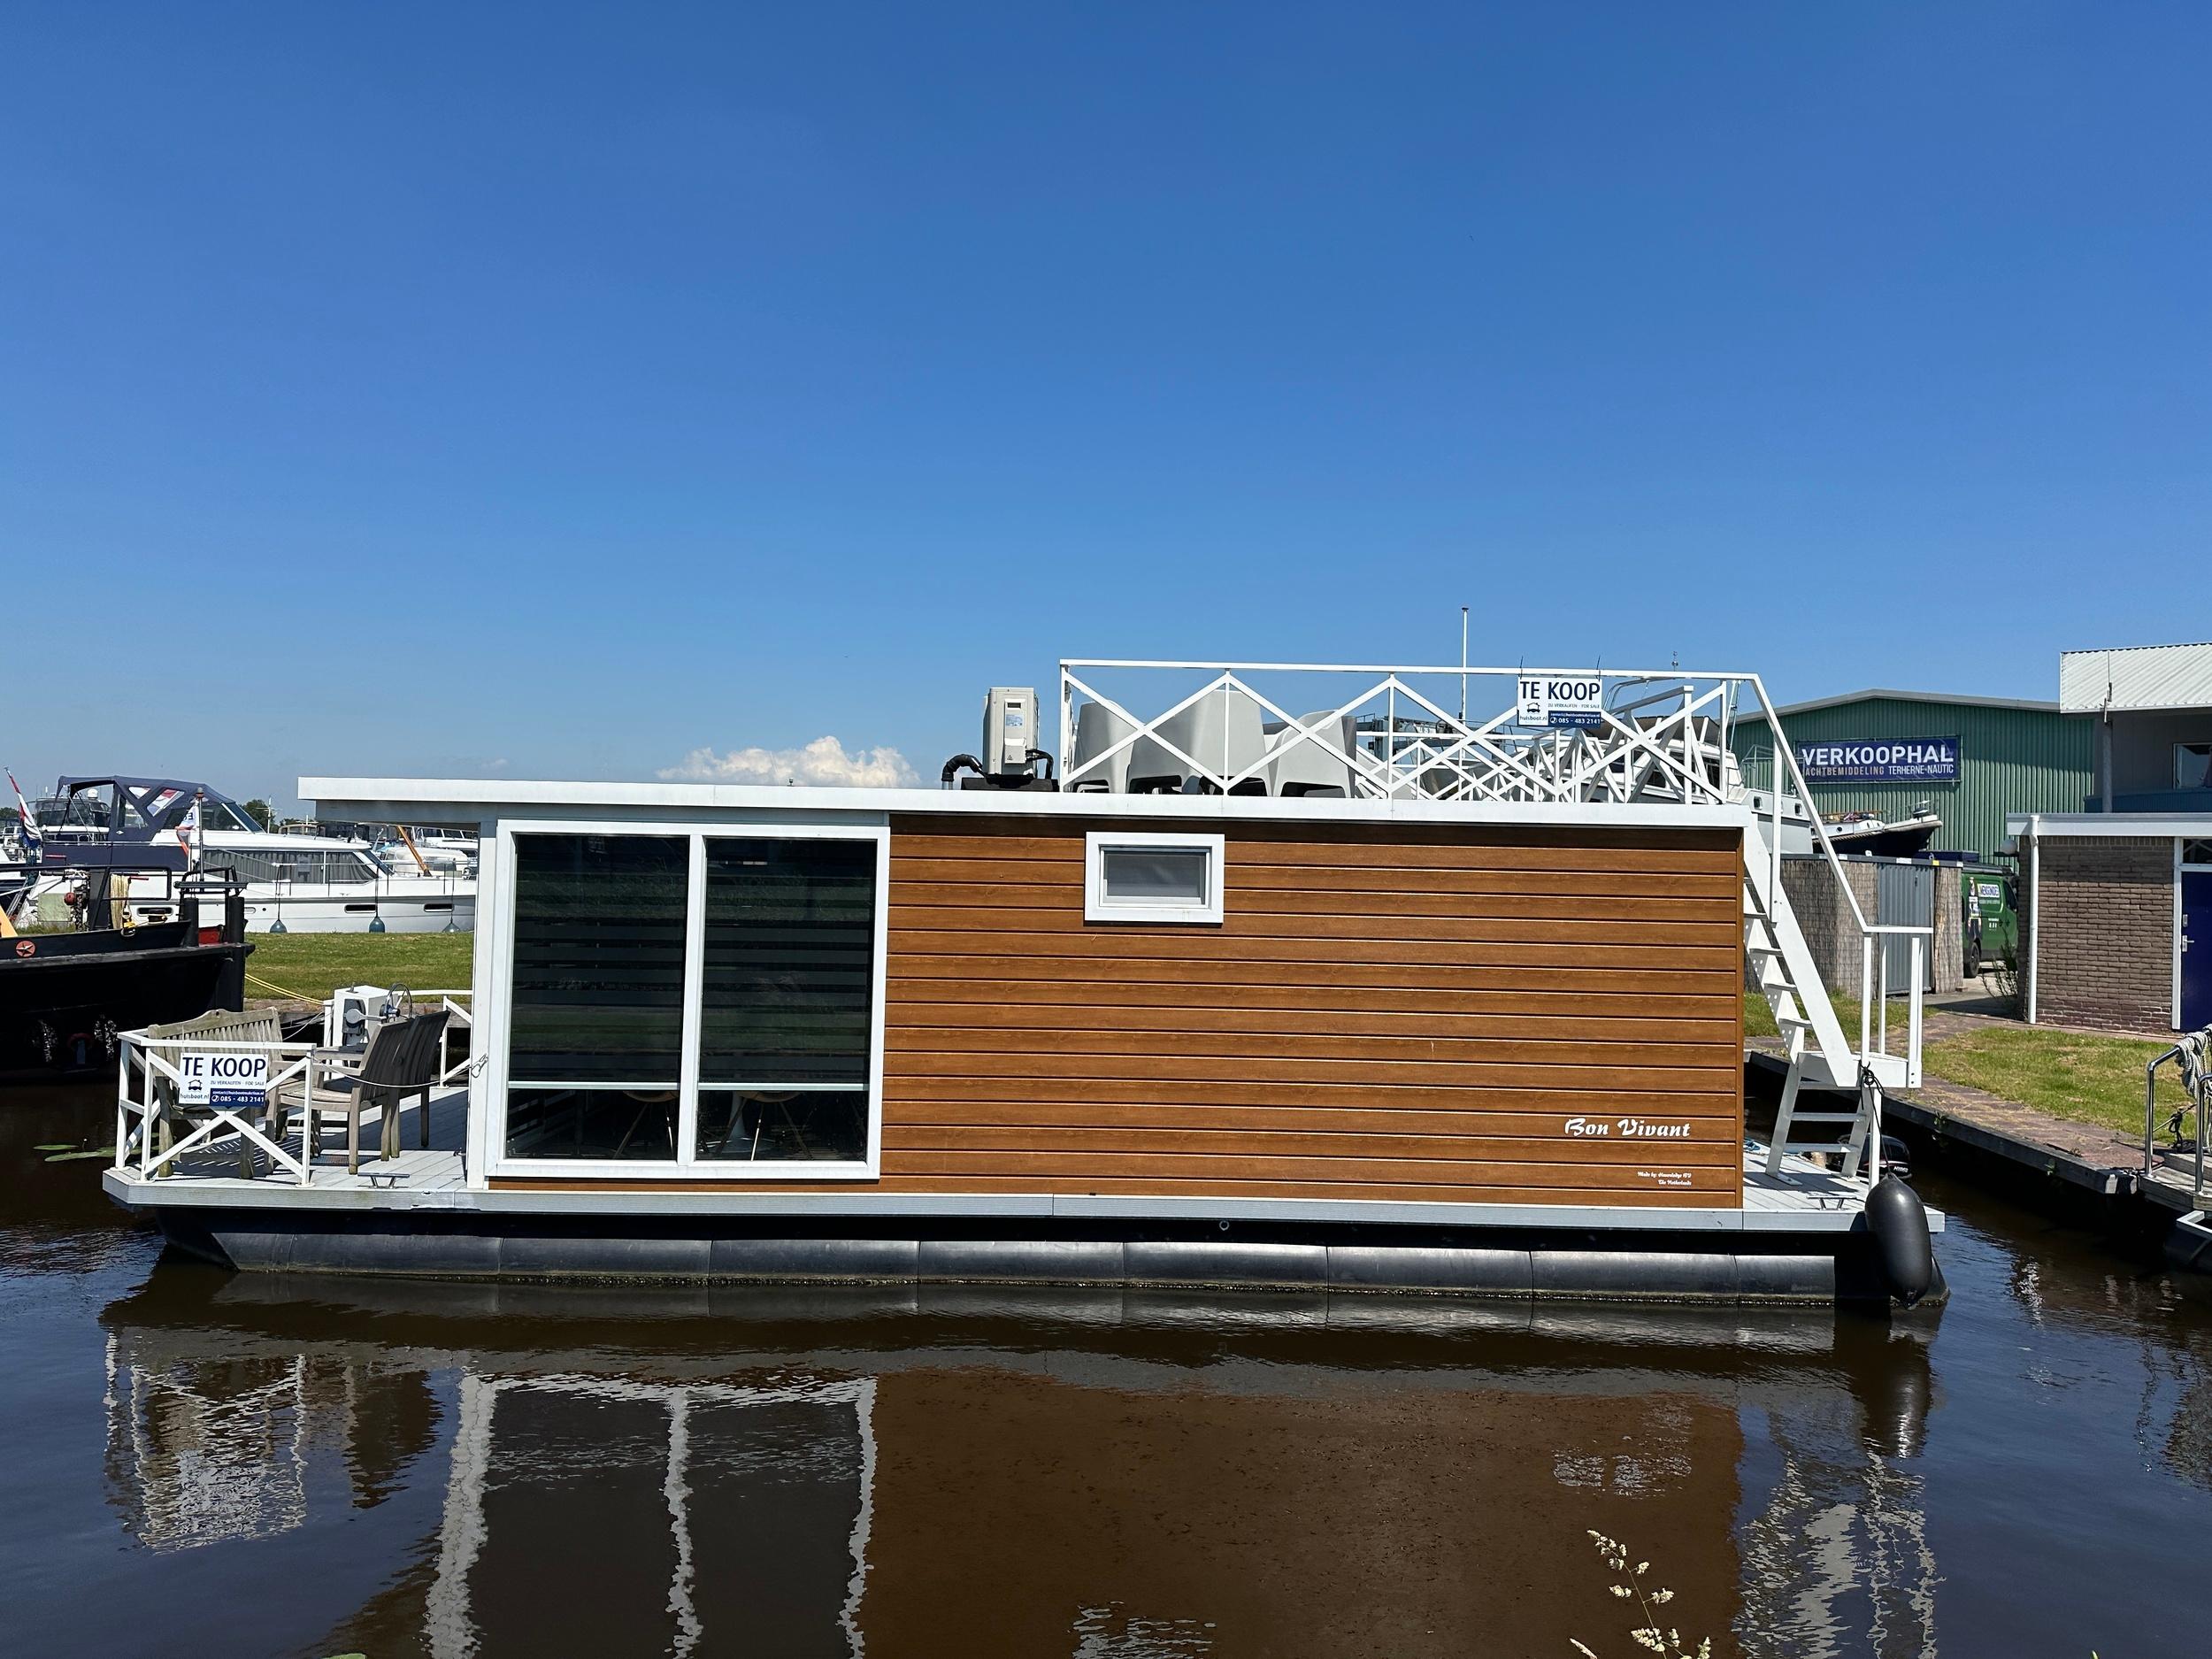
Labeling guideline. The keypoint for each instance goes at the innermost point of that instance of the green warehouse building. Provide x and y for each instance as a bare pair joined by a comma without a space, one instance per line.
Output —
1970,760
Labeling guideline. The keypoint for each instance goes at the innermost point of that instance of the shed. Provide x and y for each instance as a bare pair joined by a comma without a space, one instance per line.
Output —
2010,755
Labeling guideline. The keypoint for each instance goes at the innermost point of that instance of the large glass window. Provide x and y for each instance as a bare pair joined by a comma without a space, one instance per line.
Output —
770,980
596,1036
786,1007
2193,765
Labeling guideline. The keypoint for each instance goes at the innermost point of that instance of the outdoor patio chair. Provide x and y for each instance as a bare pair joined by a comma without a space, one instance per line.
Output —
401,1059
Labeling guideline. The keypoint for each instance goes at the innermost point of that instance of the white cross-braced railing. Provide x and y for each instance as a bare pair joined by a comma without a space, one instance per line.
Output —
1659,736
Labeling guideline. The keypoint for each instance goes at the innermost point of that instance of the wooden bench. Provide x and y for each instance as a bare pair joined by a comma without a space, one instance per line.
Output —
172,1119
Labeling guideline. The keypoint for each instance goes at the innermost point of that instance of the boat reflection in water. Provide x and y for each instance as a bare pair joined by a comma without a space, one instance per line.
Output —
791,1471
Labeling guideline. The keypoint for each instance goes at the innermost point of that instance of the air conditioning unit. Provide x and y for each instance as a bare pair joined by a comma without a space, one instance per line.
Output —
1010,730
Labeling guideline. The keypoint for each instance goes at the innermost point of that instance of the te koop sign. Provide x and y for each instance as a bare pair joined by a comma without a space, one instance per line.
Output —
221,1078
1562,700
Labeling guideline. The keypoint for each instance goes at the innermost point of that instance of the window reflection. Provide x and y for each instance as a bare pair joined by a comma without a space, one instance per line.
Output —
596,1010
787,1000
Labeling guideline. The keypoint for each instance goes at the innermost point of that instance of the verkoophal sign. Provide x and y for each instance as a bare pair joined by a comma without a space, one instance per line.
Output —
1881,760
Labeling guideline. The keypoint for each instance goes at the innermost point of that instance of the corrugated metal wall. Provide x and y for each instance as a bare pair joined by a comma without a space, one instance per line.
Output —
2010,760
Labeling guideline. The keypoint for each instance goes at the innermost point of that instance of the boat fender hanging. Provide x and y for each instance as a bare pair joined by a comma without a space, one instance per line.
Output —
1899,1222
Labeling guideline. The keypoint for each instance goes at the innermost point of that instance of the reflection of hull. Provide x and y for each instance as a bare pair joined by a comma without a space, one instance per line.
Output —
62,1003
684,1471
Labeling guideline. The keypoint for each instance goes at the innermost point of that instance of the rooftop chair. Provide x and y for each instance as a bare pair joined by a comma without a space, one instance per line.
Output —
1319,764
1221,731
1097,729
401,1059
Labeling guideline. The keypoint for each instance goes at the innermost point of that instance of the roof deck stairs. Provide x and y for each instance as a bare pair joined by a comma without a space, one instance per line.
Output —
1821,1055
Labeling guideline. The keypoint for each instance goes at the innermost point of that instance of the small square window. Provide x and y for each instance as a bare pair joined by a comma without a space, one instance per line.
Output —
2197,852
1151,878
2193,765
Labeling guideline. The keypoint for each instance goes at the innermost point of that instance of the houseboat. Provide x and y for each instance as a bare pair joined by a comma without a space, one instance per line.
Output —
1383,996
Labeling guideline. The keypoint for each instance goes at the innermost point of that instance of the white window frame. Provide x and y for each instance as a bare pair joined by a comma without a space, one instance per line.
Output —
684,1166
1098,906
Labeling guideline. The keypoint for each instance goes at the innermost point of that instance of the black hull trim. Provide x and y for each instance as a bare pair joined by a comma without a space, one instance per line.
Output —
1730,1270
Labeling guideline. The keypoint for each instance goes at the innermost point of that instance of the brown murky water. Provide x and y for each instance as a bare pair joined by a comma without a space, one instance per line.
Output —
200,1464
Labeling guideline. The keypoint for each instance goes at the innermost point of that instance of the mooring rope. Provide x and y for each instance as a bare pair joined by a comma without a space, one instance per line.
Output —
270,987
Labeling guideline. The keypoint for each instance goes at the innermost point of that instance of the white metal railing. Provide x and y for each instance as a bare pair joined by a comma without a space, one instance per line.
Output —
1455,733
1659,736
144,1108
460,1010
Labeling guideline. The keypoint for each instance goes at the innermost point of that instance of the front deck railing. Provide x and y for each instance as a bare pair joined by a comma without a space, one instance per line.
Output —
155,1129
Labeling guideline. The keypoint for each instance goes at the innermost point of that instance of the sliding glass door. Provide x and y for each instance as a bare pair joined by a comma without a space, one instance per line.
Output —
694,1003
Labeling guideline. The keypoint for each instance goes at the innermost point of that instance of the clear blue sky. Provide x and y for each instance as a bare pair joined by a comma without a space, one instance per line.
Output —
560,390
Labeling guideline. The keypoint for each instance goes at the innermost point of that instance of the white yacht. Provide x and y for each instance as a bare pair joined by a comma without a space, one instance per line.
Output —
294,883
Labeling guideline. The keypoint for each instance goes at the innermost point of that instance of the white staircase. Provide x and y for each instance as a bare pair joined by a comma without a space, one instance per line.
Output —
1820,1053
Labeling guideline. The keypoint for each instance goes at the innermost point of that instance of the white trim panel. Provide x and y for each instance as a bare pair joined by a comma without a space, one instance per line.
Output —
494,1027
2110,825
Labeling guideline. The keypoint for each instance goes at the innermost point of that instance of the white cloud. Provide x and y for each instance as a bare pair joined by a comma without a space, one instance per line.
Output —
822,762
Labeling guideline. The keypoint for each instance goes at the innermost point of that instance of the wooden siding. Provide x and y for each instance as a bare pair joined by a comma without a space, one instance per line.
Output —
1394,1014
1387,1013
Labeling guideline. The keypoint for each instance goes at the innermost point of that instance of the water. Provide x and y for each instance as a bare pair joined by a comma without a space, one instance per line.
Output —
199,1464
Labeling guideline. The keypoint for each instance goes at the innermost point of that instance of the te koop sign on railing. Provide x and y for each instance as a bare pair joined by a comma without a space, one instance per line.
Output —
1548,700
219,1078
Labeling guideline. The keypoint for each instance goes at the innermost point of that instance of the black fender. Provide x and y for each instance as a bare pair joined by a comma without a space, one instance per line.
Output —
1902,1248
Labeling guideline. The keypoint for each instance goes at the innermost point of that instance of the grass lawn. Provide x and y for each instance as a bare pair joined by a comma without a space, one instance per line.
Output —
312,965
2089,1079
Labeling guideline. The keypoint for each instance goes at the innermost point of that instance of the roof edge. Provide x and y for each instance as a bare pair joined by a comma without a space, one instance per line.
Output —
1891,695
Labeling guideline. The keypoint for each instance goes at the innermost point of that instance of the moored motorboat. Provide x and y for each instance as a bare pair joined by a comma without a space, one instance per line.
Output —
301,883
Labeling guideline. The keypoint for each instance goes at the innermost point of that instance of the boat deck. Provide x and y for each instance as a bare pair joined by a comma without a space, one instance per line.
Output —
1802,1198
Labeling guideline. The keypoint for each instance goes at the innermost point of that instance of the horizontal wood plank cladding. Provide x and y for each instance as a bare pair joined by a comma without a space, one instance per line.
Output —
1550,1093
1291,892
1109,942
1695,926
1294,1053
922,1023
1019,881
1242,1166
925,1000
1536,1121
1583,977
1404,1013
1717,1151
1205,1186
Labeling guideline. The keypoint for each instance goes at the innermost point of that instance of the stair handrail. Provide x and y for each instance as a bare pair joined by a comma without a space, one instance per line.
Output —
1869,932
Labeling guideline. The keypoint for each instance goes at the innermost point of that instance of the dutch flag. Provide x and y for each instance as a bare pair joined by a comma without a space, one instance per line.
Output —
31,845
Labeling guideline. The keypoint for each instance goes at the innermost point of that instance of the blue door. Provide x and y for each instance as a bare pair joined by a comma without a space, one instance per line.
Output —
2195,945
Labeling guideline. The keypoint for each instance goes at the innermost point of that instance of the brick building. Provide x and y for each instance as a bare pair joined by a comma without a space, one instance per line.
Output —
2115,902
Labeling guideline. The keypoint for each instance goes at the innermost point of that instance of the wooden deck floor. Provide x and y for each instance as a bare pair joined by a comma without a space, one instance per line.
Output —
419,1169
